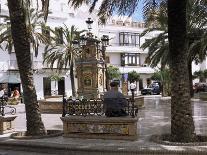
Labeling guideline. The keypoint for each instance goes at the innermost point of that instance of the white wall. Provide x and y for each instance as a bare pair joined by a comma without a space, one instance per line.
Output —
38,81
114,58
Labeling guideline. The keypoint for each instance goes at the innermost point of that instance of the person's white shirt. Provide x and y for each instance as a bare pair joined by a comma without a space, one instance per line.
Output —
1,93
132,86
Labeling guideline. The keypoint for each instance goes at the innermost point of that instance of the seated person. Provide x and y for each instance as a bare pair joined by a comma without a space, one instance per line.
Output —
15,94
114,102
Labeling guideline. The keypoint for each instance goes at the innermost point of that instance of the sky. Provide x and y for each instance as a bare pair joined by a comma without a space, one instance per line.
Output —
137,16
138,13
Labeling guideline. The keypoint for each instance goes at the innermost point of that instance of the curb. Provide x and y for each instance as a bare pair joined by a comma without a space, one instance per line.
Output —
65,149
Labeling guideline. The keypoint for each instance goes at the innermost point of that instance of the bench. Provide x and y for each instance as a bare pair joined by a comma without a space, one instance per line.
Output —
86,119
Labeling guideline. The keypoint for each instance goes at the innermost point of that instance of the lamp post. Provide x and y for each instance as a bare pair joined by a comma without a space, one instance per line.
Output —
89,23
91,65
105,42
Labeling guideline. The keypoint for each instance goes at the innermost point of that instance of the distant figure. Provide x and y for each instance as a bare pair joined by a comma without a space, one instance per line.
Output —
114,102
132,86
15,94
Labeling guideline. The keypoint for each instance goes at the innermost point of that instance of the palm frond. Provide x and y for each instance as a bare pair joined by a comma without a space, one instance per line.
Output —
108,7
62,55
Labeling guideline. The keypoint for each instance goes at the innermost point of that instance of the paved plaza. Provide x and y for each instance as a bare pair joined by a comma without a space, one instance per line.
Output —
154,118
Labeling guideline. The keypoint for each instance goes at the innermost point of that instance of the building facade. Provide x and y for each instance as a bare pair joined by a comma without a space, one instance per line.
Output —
123,51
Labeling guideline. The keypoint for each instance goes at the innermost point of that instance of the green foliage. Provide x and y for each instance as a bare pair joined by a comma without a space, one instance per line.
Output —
113,72
201,74
156,76
55,77
133,76
165,79
157,18
62,55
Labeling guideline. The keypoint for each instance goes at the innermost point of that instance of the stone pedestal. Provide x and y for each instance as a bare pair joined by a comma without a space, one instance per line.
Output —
6,124
51,107
122,128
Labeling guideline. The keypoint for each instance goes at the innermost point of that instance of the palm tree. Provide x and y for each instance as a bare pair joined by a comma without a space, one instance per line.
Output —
63,54
158,46
181,112
182,126
35,36
21,40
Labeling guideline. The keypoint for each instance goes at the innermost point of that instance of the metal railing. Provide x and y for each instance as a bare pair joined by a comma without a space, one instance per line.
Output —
91,107
6,109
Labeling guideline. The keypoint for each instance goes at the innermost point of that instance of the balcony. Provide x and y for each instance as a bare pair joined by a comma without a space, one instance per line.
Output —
39,65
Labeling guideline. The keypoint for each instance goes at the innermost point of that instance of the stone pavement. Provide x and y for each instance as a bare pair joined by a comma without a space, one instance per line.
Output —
153,119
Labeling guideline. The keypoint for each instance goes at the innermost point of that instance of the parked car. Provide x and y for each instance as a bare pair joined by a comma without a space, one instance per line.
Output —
200,87
152,89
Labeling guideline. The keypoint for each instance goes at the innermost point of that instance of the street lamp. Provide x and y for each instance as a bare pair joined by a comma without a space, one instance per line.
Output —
89,22
105,40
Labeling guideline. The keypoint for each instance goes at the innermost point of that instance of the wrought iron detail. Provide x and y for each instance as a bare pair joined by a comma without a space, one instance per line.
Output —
92,107
6,109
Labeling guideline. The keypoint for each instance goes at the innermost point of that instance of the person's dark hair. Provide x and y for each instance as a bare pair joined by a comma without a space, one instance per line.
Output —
114,84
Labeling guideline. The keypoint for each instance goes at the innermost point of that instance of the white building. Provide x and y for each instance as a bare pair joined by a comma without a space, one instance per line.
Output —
124,50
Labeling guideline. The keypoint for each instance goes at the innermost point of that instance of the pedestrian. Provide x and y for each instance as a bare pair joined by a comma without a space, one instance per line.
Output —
114,102
16,94
132,86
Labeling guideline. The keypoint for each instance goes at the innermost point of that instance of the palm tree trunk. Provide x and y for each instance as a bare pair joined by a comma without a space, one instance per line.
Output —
190,78
182,125
72,80
20,37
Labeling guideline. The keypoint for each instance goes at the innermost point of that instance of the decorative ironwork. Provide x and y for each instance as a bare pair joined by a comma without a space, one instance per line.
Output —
6,109
86,107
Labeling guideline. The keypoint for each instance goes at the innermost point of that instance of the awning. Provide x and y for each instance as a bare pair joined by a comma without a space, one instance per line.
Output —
9,79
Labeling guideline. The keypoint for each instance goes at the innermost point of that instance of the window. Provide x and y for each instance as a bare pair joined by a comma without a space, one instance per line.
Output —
124,38
130,59
122,59
135,39
61,86
47,86
129,39
59,35
141,84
